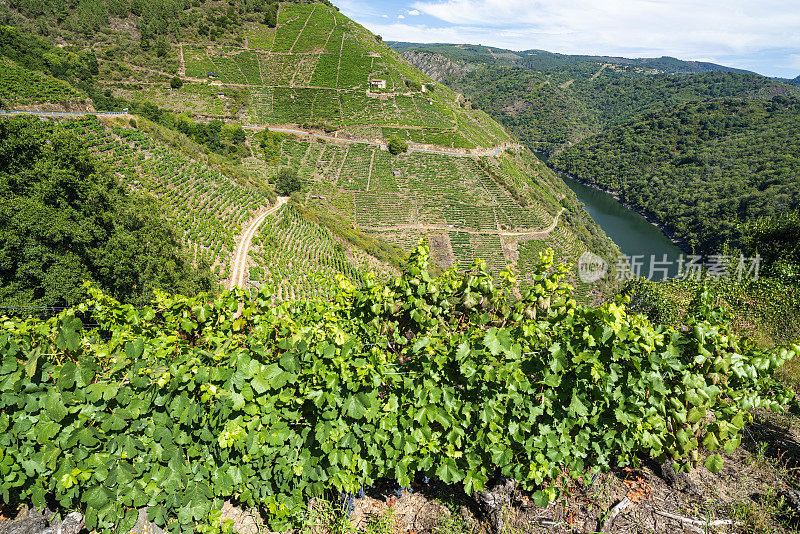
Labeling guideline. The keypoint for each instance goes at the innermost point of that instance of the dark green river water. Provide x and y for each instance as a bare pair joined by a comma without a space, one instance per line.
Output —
630,231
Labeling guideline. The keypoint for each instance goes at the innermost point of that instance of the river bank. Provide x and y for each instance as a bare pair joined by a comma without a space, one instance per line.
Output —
648,216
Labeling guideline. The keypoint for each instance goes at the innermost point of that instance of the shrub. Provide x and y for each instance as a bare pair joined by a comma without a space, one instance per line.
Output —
182,405
414,85
397,145
176,82
271,16
288,181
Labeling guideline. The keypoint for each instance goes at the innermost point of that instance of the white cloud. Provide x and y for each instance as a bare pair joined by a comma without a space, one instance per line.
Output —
682,28
413,12
401,17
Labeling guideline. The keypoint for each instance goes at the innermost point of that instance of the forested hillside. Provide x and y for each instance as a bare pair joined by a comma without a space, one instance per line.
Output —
702,169
548,114
551,100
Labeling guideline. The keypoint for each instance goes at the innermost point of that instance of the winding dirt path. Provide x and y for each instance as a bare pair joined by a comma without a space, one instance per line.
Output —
239,272
538,233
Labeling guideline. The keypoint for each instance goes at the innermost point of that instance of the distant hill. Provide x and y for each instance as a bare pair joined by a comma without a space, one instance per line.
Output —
553,100
705,170
793,81
545,61
665,64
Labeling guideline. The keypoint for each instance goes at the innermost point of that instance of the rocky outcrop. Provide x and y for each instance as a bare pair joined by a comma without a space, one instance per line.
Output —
437,66
496,500
33,521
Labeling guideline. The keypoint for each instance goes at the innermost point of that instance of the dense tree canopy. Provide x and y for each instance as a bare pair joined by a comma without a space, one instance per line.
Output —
704,169
548,110
288,181
65,220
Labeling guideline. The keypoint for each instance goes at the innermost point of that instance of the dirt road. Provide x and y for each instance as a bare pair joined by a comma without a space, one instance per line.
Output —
239,272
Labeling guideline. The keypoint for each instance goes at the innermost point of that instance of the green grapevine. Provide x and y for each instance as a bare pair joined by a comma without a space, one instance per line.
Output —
183,404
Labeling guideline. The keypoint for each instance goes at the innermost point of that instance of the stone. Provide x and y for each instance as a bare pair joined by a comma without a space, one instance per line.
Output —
28,521
72,524
144,525
32,521
244,521
678,481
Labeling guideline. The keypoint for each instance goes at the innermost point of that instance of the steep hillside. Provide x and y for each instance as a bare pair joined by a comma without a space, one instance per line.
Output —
333,94
21,88
703,169
308,64
66,219
552,100
503,208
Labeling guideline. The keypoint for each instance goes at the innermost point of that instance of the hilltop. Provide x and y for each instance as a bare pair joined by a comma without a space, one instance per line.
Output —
544,60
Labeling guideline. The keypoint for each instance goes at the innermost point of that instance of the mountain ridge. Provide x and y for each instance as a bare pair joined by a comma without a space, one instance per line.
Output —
667,63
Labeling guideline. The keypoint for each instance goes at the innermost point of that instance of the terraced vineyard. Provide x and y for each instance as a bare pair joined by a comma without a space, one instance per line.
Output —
317,66
495,208
297,257
208,206
489,207
319,71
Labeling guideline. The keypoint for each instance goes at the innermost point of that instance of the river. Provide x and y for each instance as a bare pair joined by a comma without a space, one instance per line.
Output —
632,233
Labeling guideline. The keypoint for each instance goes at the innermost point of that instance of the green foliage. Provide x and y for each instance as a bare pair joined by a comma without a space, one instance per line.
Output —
185,404
702,169
228,140
766,310
271,16
92,15
64,219
567,103
287,181
176,82
270,142
397,145
414,85
37,54
777,240
22,86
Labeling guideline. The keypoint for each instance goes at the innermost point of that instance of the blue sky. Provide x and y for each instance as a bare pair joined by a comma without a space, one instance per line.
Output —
758,35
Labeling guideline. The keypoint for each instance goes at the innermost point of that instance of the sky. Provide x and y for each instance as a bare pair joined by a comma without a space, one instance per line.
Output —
758,35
